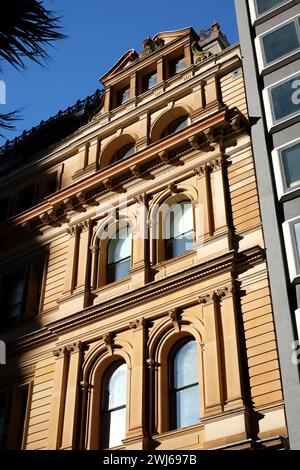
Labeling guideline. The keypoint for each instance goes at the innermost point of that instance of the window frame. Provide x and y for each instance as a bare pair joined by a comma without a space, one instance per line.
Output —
166,241
104,433
109,283
283,192
272,123
172,391
293,257
263,66
257,18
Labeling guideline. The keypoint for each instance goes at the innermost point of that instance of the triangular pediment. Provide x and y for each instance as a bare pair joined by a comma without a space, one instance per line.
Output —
126,60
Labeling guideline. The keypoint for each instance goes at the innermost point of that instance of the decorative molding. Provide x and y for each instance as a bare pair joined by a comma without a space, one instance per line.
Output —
141,199
74,347
74,230
86,387
173,188
108,184
108,340
61,352
175,317
137,324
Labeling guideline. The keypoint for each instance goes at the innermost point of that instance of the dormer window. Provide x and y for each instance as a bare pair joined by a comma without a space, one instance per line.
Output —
123,95
176,66
149,81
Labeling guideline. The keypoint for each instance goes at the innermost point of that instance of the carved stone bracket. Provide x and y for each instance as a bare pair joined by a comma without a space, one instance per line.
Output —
216,296
173,188
108,184
74,230
108,340
175,317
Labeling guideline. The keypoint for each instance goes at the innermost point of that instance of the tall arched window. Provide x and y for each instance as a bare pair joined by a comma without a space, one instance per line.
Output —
124,152
179,229
184,386
119,256
176,126
113,420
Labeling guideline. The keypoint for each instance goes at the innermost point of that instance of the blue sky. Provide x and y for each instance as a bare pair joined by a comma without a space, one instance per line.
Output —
98,35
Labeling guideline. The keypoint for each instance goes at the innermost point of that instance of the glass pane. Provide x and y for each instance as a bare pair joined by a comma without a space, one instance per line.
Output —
178,246
119,270
179,220
291,165
149,81
125,152
297,234
187,407
186,366
117,429
281,42
13,294
123,96
117,387
285,98
265,5
120,246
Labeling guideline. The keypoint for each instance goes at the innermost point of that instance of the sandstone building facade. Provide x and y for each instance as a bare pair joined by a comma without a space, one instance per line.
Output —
120,335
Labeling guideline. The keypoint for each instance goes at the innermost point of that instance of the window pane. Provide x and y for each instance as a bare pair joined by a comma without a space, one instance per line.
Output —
117,429
297,234
117,387
5,402
25,199
291,165
285,98
120,246
186,366
13,294
176,66
179,246
123,96
265,5
281,42
149,81
125,152
187,407
119,270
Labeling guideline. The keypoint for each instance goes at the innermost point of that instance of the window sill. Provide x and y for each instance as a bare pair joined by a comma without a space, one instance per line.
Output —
106,287
162,264
179,432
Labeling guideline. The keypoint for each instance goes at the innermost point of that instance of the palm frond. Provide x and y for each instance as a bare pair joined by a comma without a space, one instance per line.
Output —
7,121
26,29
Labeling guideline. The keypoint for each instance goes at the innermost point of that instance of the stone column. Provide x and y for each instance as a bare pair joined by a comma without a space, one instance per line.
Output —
135,439
72,398
58,398
140,257
133,85
107,100
212,95
84,264
211,354
205,199
72,263
160,70
188,55
219,196
232,376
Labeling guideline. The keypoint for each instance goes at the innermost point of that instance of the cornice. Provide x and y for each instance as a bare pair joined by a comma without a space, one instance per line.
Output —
231,262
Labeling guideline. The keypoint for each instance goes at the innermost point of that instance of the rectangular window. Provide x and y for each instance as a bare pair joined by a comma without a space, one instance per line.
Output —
286,162
4,207
265,8
176,66
278,43
291,230
50,184
25,198
123,95
149,81
21,291
282,100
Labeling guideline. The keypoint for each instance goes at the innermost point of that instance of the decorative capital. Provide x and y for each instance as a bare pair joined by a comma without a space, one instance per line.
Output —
85,225
86,387
94,249
141,199
137,324
204,299
74,347
60,352
152,364
74,230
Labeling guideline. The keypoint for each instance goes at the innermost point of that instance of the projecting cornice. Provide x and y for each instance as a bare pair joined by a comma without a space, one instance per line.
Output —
219,128
232,262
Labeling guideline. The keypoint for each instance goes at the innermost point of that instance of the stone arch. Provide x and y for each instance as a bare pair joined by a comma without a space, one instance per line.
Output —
114,145
95,367
165,119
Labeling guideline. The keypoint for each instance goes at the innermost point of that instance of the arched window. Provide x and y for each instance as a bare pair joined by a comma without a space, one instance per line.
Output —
179,229
119,256
176,126
113,420
184,386
123,153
